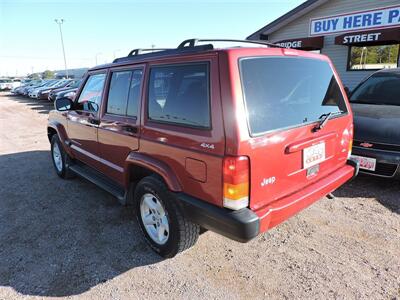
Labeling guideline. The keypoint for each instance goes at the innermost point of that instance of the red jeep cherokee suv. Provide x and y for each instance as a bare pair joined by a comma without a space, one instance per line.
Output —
234,140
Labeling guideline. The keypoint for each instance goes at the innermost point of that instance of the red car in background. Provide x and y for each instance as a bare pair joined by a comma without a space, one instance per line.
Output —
71,87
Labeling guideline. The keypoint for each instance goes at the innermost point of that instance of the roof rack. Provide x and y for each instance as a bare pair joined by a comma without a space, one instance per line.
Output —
140,51
194,42
187,46
138,55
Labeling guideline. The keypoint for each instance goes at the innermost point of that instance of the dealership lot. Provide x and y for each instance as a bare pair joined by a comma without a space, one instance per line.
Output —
69,238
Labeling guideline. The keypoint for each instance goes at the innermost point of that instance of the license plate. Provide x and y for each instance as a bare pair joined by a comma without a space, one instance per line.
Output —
313,155
313,170
366,163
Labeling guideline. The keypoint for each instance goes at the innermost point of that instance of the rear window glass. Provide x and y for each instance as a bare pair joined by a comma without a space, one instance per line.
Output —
118,92
124,92
180,95
381,88
282,92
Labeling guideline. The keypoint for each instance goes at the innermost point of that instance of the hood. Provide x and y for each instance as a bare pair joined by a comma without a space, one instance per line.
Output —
43,89
377,123
67,91
60,89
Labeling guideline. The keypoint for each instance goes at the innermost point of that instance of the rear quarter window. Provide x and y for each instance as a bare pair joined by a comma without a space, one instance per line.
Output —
179,95
284,92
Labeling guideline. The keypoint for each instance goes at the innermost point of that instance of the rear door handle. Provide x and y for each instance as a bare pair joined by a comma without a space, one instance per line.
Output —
94,121
130,129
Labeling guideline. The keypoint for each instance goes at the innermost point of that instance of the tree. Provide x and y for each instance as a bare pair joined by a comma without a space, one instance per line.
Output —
34,76
48,74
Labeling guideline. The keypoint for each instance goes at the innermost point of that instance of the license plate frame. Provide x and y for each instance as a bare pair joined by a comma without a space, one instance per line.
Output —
313,155
366,163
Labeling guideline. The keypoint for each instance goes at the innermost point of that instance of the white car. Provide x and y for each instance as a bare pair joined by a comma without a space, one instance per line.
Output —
8,84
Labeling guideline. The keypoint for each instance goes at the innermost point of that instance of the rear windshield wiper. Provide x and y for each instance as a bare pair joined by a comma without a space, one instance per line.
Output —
323,119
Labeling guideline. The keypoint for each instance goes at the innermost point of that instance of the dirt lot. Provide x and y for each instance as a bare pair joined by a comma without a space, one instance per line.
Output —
70,239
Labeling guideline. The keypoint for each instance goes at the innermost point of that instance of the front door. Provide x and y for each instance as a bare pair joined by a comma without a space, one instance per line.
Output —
83,121
119,125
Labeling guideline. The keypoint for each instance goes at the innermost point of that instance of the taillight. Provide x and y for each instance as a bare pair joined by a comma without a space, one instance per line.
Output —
350,148
351,130
236,182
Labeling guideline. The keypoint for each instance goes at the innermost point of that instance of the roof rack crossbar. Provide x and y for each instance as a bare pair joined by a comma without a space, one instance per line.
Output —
141,50
187,46
165,52
194,42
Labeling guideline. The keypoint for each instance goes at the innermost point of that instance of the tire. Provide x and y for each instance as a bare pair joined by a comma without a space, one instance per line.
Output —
61,160
179,233
203,230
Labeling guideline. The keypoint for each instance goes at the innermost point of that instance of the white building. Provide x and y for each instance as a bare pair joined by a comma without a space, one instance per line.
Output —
72,73
359,36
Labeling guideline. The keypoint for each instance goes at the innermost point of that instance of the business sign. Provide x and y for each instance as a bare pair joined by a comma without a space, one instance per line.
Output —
375,37
371,19
308,43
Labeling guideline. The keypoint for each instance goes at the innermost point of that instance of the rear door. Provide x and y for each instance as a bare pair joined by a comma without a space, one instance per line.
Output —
286,99
119,125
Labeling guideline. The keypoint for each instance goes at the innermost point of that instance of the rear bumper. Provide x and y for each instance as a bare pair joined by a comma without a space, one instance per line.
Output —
388,162
241,225
245,224
281,210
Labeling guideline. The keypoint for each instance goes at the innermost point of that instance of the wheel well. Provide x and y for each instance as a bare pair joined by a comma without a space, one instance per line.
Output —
50,133
137,173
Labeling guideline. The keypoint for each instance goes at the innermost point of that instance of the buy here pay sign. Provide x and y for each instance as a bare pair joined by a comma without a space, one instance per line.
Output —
371,19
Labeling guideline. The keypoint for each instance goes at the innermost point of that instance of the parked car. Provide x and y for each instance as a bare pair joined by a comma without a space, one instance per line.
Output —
33,84
70,93
44,93
3,83
33,92
9,84
233,140
61,92
376,106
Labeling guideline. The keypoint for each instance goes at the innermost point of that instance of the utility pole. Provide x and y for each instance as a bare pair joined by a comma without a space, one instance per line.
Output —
97,55
115,52
60,22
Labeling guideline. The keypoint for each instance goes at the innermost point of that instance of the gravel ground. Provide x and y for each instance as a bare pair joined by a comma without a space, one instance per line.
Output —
70,239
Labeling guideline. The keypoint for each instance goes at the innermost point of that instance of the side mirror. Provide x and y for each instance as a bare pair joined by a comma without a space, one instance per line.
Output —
63,104
93,106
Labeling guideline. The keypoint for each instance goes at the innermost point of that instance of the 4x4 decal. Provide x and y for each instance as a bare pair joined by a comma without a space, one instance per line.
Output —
208,146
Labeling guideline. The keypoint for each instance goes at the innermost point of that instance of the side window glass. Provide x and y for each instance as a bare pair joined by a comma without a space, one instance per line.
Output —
180,95
118,92
90,97
134,93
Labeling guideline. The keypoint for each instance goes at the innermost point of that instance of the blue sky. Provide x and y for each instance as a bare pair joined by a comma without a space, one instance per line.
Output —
29,37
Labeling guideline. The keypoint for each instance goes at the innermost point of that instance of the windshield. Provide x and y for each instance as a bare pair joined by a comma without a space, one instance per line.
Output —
282,92
49,83
59,83
380,89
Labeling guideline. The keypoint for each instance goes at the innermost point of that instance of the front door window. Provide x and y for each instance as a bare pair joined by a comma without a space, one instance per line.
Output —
90,97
